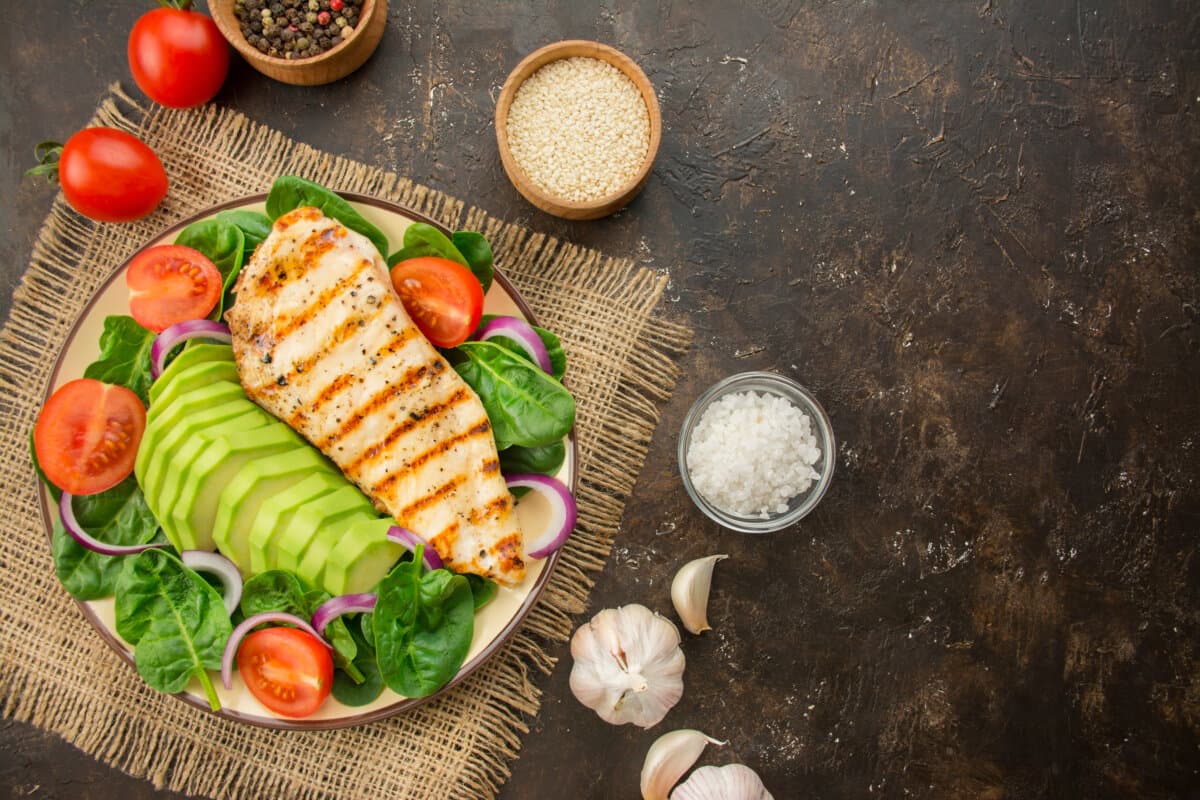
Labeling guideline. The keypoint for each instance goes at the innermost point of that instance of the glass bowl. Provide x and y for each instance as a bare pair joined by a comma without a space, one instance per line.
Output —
773,384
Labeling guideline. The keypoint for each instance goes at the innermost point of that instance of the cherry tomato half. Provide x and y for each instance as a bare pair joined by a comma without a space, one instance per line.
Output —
110,175
288,670
171,283
178,56
444,299
87,436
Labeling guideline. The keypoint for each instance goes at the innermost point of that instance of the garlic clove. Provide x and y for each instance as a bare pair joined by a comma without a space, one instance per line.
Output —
689,592
671,755
730,782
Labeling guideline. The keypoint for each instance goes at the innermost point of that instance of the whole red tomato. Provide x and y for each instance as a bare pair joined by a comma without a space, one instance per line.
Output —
178,56
110,175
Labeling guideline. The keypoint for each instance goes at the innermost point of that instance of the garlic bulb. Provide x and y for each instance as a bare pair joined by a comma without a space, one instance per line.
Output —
689,592
730,782
671,755
628,665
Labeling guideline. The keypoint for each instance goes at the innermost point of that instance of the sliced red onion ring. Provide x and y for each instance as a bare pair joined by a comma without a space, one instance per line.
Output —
335,607
563,512
239,633
167,341
76,531
223,568
410,540
523,334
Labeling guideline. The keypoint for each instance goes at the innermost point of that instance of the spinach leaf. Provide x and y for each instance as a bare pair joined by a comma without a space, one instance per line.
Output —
359,694
478,253
367,628
526,406
554,348
423,627
224,244
124,356
254,226
289,193
55,492
482,589
546,460
421,240
117,516
176,622
276,590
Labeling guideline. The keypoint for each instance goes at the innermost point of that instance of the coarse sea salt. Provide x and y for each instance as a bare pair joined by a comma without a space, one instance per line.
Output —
751,453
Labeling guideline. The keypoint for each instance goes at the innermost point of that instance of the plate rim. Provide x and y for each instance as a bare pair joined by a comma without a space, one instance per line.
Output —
280,723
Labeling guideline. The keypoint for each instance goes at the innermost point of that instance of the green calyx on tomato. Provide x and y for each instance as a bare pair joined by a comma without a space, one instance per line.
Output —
87,436
171,283
286,669
443,298
178,56
106,174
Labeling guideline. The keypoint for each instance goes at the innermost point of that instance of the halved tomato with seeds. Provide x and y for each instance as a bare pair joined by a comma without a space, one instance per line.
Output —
288,670
171,283
87,436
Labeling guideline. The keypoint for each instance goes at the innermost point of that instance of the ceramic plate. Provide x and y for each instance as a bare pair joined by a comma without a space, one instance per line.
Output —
494,623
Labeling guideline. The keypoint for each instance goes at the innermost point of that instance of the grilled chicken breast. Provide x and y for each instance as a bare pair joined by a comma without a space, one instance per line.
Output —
322,342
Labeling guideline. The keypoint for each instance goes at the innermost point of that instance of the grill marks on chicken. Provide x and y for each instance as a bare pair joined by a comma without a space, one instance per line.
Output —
322,342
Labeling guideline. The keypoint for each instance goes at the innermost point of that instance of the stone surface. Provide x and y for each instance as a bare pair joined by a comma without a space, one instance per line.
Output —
971,228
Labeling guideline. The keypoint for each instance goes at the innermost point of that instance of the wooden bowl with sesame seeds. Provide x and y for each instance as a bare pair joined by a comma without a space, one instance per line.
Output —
327,67
584,160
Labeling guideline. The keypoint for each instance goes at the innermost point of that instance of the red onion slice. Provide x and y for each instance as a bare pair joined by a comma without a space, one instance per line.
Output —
76,531
335,607
223,568
170,338
563,512
410,540
239,633
521,332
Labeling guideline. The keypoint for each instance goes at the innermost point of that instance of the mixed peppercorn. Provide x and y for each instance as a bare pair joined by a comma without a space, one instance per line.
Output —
294,29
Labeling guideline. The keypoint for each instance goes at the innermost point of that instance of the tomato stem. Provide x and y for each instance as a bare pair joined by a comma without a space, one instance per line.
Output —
47,153
181,5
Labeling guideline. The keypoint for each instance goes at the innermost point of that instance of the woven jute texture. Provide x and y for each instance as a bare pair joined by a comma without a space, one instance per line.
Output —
56,672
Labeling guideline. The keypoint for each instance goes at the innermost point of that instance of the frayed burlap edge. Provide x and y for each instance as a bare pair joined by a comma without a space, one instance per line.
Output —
56,673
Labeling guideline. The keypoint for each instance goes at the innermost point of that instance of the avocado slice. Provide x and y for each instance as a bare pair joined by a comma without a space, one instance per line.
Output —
330,531
238,414
193,354
291,547
206,466
276,513
253,485
361,558
213,394
188,379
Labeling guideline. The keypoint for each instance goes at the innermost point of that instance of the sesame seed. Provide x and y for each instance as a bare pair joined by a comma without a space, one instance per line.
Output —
579,129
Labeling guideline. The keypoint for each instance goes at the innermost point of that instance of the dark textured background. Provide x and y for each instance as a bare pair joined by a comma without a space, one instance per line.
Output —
972,229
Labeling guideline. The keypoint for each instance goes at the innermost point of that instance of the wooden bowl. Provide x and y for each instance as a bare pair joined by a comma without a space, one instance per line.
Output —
325,68
558,206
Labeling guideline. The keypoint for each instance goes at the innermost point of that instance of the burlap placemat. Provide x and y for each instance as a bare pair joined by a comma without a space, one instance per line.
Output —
57,673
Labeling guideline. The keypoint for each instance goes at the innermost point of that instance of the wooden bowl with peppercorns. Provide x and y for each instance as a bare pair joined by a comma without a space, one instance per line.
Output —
302,42
578,127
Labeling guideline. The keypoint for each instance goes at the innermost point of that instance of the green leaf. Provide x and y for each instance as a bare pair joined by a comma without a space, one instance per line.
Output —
124,356
175,620
117,516
547,460
423,626
289,193
277,590
482,589
478,253
224,244
554,348
55,492
426,240
345,689
254,226
526,406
